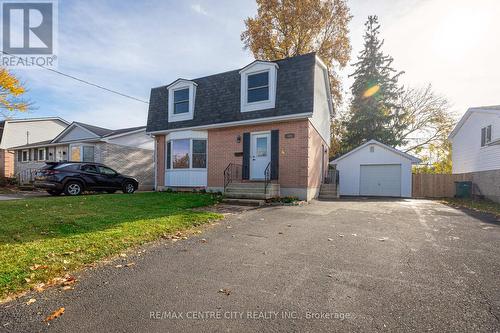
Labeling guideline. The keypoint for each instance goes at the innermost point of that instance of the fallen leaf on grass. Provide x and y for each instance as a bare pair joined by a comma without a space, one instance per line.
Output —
39,287
30,301
203,240
55,314
37,267
225,291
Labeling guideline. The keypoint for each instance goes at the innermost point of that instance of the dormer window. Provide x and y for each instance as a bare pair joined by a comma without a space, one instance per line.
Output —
258,86
181,98
181,101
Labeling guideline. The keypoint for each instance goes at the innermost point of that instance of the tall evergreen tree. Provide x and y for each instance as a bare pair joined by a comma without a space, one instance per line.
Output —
374,111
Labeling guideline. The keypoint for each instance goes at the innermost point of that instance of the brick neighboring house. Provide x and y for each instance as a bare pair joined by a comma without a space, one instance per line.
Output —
268,122
16,132
128,151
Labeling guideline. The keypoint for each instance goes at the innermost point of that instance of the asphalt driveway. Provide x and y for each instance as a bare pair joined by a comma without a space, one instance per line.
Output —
360,265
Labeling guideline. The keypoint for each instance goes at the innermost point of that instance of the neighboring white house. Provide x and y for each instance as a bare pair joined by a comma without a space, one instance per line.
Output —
476,140
128,151
476,149
17,132
375,169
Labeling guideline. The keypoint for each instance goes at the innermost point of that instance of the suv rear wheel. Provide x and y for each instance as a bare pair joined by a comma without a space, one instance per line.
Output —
128,188
73,188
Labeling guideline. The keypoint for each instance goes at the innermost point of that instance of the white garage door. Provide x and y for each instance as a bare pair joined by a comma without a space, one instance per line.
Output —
380,180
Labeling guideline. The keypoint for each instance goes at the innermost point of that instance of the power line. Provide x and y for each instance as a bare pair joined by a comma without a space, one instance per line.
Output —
81,80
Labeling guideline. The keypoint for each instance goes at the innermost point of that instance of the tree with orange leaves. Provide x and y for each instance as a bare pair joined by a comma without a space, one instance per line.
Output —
286,28
11,92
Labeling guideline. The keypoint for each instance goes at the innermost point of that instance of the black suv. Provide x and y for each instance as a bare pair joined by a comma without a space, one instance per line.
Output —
73,178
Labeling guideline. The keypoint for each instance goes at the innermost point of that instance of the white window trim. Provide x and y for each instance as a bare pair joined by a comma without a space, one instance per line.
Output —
81,151
190,155
256,68
44,154
179,85
27,155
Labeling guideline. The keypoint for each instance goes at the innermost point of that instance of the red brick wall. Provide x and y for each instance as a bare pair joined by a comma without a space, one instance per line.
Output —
6,163
293,161
315,157
160,160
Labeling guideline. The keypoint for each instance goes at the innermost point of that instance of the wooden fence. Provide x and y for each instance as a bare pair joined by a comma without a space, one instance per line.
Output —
436,185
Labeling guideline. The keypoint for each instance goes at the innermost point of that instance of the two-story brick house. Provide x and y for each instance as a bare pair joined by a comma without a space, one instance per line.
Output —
265,126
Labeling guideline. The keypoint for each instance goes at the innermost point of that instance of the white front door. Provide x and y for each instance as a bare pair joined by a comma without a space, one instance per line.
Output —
260,154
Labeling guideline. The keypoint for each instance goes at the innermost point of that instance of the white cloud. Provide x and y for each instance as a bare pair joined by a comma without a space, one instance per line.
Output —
199,9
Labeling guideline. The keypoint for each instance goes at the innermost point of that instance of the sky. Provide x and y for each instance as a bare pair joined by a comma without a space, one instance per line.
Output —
131,46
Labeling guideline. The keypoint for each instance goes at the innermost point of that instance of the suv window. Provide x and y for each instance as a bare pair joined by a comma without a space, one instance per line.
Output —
70,166
106,171
89,168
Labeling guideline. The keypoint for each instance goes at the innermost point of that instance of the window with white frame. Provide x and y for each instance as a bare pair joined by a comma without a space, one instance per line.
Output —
485,135
181,100
199,154
258,86
41,154
180,153
187,154
25,156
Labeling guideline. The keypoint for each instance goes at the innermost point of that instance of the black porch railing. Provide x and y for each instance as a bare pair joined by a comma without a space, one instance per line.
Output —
232,172
267,176
332,176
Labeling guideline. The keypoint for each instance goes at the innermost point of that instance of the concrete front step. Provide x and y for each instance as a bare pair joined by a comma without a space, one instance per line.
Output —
328,197
245,195
244,202
252,190
253,185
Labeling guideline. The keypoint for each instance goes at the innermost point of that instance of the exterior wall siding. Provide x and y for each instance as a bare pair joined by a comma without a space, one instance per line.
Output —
134,162
467,153
316,156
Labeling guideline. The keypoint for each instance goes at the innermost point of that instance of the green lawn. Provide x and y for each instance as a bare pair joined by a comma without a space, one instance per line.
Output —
485,206
62,234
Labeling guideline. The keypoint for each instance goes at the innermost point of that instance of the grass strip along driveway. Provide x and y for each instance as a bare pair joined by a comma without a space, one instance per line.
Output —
484,206
44,238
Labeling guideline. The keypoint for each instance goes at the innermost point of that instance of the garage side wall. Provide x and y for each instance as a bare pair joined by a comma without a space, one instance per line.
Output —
349,169
134,162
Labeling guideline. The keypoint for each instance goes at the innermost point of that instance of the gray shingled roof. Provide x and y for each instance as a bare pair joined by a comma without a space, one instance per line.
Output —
218,96
125,130
100,131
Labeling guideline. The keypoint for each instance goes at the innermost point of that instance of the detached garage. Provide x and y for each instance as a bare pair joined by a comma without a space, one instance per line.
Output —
375,169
